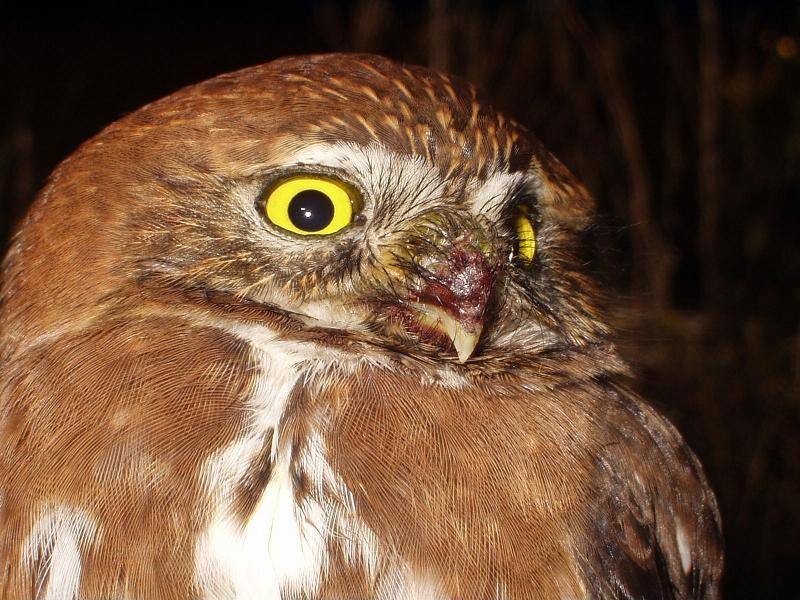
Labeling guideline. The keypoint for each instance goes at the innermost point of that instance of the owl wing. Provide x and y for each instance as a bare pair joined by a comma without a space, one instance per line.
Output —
655,529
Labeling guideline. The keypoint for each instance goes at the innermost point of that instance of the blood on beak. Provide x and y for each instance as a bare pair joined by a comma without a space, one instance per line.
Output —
454,296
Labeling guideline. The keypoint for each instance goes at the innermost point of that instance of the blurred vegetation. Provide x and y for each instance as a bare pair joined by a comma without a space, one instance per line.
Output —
683,119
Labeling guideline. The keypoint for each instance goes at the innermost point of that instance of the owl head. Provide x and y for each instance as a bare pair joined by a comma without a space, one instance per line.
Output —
346,195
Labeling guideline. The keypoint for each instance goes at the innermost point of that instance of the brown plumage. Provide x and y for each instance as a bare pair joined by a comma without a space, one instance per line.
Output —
198,401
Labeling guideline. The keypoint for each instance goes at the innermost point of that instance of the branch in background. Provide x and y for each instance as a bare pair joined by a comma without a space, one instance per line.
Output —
677,130
653,262
370,21
438,35
709,161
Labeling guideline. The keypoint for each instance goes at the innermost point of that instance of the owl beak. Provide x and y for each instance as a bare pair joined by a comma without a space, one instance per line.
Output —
464,335
454,296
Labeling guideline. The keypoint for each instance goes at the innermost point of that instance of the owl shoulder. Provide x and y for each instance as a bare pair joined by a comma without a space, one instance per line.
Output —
655,529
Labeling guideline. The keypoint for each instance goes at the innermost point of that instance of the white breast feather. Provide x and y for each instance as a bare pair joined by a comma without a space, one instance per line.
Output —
58,536
283,546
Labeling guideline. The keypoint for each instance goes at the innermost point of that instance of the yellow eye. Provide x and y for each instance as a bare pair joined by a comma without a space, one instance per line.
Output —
526,236
310,205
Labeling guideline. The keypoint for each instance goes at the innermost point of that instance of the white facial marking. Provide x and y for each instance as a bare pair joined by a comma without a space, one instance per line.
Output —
382,175
339,363
323,313
489,197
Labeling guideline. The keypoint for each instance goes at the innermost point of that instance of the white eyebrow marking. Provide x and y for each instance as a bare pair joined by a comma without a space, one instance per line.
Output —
491,196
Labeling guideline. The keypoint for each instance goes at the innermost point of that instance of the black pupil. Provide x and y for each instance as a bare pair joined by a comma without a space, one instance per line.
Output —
311,210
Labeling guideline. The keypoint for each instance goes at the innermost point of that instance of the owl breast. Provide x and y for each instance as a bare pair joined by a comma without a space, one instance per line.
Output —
285,523
372,482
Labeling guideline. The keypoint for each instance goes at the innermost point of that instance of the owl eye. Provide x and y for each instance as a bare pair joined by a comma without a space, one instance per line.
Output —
310,205
526,236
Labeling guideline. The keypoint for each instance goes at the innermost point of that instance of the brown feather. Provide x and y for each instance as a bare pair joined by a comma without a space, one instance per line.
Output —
148,309
117,420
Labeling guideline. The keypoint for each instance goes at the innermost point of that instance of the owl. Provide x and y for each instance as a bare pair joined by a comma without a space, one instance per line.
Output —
321,328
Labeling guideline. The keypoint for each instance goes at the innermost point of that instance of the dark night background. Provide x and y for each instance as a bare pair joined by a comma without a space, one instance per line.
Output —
683,119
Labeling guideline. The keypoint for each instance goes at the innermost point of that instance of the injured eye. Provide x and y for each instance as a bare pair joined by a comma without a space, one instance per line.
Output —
526,236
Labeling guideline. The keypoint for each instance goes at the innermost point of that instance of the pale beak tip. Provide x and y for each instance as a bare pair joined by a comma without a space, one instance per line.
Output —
465,342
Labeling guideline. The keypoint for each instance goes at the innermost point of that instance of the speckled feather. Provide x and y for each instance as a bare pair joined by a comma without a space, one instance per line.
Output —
194,403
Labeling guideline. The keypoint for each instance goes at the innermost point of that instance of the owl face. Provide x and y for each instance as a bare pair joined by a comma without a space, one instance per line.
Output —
366,240
433,232
350,194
